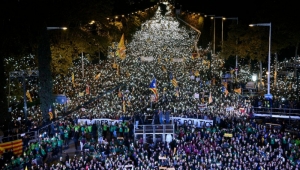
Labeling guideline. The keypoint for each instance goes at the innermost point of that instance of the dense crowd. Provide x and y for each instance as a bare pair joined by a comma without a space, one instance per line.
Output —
160,50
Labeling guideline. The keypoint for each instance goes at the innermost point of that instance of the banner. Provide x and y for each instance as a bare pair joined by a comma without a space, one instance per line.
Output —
177,59
147,59
228,109
189,121
99,121
16,145
202,107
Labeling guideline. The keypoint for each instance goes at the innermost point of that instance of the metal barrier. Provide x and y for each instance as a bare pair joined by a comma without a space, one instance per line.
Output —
286,113
155,132
32,136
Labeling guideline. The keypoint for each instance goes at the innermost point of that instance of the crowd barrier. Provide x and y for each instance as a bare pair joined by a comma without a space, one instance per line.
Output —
285,113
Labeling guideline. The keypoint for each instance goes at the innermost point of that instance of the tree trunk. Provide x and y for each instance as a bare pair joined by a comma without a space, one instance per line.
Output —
45,75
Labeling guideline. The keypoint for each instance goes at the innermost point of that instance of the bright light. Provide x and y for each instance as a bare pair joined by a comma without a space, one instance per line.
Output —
254,77
92,22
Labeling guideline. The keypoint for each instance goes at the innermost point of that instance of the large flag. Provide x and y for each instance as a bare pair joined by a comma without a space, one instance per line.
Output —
28,96
16,146
174,82
153,88
97,76
121,48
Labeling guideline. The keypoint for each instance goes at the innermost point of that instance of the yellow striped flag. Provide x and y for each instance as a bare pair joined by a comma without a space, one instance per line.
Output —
226,92
225,84
239,90
164,68
50,115
28,96
174,82
97,76
73,79
210,100
118,70
124,106
16,146
121,48
114,65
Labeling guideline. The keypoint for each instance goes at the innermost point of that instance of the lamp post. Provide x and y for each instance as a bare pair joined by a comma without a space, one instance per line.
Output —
268,95
222,28
236,56
214,40
57,28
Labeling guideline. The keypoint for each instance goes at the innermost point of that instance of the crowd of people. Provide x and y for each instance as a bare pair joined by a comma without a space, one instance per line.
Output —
187,88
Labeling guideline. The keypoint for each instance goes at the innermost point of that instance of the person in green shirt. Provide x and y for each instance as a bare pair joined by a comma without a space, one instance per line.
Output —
60,145
121,134
112,130
104,130
126,131
66,136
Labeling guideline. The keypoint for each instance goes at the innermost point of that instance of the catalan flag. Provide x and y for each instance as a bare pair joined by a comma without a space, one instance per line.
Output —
73,79
210,100
118,70
239,90
124,106
114,65
226,92
174,82
16,146
164,68
50,115
28,96
225,84
153,88
97,76
121,48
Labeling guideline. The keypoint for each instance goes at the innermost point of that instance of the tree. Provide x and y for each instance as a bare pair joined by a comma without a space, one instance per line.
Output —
45,74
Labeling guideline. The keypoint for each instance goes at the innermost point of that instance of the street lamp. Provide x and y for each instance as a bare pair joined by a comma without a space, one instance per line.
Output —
57,28
222,28
268,95
236,56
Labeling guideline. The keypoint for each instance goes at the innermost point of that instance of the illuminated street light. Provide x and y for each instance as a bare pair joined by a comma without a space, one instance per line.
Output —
214,41
57,28
268,95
